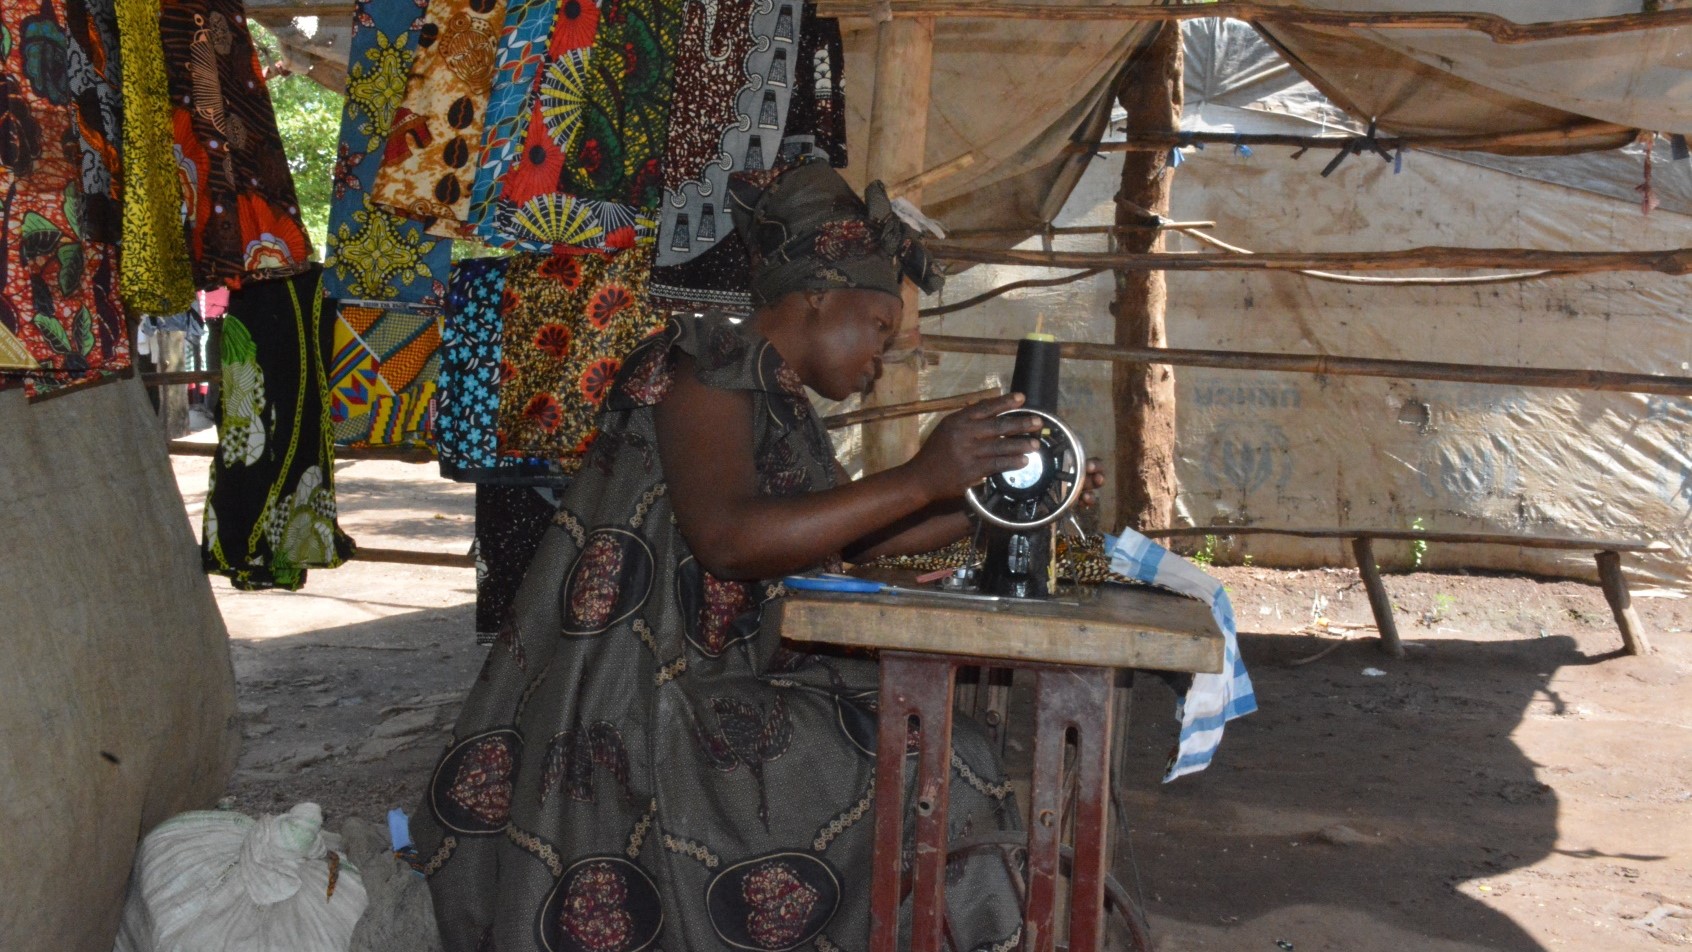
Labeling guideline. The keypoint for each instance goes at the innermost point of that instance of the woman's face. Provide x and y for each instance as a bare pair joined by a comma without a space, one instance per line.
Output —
852,329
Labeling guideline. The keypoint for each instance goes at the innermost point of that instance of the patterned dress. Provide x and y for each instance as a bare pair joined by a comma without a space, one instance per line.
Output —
641,765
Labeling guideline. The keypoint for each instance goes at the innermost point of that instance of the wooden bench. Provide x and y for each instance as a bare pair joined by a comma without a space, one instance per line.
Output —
1608,553
1073,649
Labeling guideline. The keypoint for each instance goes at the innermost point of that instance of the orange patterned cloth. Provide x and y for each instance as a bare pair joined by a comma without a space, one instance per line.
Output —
430,159
569,321
243,218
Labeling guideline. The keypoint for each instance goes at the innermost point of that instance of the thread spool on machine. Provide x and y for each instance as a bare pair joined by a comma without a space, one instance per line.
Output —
1020,508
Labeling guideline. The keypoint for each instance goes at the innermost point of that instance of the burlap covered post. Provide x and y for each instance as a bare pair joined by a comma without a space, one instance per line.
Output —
117,698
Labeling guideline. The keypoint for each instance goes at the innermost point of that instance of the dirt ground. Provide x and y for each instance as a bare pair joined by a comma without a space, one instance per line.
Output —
1515,783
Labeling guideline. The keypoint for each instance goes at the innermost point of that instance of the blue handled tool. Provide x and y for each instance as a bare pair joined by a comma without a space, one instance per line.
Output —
833,582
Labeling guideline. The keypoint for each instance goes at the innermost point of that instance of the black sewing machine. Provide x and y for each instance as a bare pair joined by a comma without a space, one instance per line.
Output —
1020,507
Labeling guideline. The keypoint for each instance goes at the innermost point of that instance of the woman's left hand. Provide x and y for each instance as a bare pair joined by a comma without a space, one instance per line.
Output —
1093,480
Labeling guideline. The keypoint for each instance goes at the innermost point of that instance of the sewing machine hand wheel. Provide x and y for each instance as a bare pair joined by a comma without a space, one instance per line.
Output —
1040,491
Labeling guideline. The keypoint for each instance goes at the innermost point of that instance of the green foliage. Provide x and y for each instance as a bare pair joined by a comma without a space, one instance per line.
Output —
1206,555
1418,547
309,119
463,249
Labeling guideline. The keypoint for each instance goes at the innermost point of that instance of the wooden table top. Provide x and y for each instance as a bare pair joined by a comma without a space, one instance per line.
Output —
1115,626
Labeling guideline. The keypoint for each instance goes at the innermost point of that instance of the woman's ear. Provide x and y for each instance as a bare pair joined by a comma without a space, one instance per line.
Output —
814,302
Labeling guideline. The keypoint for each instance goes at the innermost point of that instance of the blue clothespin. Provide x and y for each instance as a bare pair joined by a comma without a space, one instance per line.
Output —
1240,148
399,829
1398,160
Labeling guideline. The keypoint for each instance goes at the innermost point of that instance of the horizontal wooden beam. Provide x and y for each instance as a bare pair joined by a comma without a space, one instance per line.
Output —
1152,141
1675,261
1153,222
402,454
1500,29
1562,378
455,560
985,296
915,407
1419,535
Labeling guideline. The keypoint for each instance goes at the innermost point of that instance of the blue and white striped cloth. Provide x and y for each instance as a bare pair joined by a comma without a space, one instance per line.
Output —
1213,699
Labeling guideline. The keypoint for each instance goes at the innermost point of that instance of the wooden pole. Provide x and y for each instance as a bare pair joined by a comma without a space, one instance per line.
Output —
401,454
1563,378
1379,602
986,296
1137,141
1498,28
1425,535
173,401
916,408
1021,233
1501,30
455,560
1614,584
1143,394
1675,261
904,59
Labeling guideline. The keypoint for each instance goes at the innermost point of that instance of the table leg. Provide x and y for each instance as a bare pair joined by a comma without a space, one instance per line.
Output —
918,686
1364,549
1077,699
1621,604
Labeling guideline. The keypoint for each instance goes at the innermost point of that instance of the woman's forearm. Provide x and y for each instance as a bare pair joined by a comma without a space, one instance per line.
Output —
767,536
932,527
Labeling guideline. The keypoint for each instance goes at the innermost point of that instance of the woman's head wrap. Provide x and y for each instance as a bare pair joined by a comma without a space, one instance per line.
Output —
805,229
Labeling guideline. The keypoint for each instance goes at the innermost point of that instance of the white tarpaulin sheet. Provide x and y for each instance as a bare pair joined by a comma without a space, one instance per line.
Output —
1640,79
1008,94
1297,450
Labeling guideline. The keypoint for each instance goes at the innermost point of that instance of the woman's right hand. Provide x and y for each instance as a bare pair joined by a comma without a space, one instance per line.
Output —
972,444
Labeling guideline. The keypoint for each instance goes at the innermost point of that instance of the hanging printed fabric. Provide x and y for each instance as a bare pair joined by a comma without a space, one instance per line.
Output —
94,73
569,321
270,509
526,208
816,123
383,364
373,253
429,161
472,367
702,262
740,68
243,218
616,147
60,320
520,52
589,171
156,277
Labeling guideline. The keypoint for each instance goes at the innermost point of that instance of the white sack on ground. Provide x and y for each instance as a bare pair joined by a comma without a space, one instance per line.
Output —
220,881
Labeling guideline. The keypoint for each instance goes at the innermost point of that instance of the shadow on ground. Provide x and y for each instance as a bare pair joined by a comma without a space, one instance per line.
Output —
353,716
1349,802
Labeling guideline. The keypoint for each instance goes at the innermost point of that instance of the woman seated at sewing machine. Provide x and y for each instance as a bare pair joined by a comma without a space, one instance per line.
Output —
640,764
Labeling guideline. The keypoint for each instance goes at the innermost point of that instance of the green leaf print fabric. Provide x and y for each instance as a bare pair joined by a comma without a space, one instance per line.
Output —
270,511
